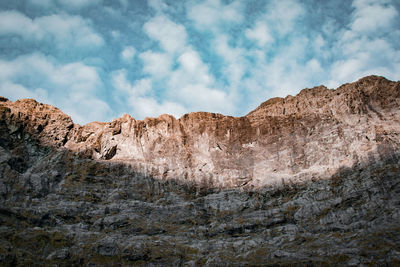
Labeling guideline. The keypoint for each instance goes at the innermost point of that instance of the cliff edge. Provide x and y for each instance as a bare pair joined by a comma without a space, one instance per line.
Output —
306,180
285,140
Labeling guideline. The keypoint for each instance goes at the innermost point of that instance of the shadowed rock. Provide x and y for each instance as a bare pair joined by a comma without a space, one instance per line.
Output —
305,180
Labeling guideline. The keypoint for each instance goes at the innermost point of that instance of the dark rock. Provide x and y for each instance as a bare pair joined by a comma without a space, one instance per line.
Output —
299,187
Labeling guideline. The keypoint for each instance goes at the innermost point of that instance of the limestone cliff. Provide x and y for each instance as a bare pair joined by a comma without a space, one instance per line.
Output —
309,180
285,140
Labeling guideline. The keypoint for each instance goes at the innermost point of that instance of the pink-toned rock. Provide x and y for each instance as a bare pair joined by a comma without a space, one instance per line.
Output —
285,140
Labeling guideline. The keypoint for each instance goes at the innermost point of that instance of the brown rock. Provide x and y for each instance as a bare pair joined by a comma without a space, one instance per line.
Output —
284,140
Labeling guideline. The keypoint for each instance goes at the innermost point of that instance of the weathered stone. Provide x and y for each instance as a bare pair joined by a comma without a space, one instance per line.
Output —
295,182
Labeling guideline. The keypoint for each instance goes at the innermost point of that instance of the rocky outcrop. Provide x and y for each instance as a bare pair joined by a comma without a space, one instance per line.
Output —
44,123
292,139
312,179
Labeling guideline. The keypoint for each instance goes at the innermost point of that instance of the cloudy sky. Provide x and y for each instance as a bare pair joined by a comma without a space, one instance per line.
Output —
98,59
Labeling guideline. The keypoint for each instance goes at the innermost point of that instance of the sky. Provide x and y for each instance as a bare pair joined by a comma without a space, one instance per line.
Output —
99,59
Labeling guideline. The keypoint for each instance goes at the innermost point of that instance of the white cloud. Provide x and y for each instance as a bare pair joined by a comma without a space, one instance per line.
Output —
142,87
260,33
372,16
318,43
148,107
253,74
156,64
365,48
376,57
139,99
73,29
192,67
191,70
190,61
128,53
37,65
66,31
283,14
158,5
193,85
17,91
186,79
78,4
285,72
43,3
71,87
121,83
69,4
115,34
171,36
13,22
189,82
212,13
233,58
78,76
248,73
86,108
314,66
203,98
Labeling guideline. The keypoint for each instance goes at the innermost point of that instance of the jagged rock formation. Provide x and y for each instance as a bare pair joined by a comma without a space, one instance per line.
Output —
309,179
284,140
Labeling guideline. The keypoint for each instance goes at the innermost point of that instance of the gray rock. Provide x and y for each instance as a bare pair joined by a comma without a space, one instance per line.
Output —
301,188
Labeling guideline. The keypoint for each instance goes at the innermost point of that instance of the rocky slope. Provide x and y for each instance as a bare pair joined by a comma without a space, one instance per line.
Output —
309,179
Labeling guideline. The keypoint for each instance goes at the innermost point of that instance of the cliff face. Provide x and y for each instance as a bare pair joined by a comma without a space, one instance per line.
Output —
309,179
292,139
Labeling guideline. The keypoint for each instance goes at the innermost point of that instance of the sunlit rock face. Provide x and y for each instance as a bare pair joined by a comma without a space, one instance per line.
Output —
285,140
306,179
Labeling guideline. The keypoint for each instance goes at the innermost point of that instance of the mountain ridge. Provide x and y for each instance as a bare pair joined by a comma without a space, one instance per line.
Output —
317,186
236,151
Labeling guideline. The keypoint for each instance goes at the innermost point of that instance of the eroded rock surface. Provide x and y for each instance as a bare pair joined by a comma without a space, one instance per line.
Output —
309,179
285,139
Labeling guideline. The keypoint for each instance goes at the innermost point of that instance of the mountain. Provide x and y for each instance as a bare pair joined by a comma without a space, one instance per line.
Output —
310,179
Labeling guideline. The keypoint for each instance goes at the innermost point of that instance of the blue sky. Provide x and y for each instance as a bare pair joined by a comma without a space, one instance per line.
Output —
98,59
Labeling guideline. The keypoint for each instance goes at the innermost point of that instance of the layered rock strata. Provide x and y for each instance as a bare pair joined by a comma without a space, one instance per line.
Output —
292,139
312,179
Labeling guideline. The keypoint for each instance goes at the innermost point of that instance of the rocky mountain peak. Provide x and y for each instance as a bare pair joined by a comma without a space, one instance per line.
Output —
321,100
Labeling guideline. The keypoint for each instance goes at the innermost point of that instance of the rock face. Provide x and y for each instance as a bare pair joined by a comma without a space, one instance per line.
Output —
284,140
309,179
